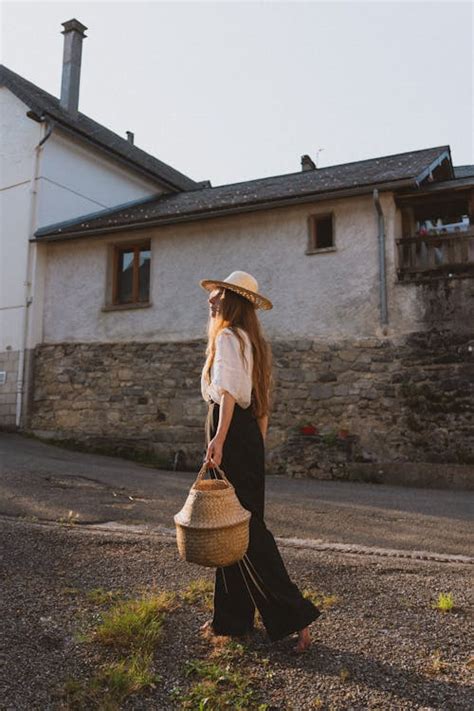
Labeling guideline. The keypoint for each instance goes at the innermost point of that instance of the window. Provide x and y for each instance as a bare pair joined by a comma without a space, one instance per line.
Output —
320,232
131,274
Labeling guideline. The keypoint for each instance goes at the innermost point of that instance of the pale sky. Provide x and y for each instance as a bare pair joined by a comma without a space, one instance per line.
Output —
231,91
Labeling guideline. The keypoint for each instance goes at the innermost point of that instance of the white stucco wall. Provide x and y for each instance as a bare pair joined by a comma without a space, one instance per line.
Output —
72,180
77,180
326,295
18,136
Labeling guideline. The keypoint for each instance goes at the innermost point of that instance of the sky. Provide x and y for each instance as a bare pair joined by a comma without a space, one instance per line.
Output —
232,91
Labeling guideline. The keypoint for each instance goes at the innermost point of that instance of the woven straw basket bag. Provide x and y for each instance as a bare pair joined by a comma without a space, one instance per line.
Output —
212,528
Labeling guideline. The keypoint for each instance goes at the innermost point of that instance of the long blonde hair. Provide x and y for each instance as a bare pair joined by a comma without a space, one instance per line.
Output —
238,312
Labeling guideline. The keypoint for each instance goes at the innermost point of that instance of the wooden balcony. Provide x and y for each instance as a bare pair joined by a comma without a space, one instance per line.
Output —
432,256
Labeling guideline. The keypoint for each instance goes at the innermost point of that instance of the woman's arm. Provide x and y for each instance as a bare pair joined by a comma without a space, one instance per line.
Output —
263,424
226,411
215,447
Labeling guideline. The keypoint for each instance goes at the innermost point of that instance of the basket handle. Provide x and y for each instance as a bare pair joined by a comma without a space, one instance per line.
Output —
204,468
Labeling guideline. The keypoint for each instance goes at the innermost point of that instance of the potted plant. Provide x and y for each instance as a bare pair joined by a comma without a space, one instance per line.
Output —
343,431
308,428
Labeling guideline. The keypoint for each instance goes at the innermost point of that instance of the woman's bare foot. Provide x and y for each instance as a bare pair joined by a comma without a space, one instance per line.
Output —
206,626
304,641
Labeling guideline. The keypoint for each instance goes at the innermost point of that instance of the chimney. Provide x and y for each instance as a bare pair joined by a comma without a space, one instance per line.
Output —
73,35
307,163
130,137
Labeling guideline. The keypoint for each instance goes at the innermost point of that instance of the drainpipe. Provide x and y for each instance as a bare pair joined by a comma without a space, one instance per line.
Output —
31,257
383,278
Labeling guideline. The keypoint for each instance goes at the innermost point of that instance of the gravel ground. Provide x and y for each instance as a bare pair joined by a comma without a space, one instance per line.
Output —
371,650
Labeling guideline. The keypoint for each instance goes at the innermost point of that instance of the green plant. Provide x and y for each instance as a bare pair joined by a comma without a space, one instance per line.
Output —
437,665
199,591
134,623
329,438
320,599
445,602
112,684
69,520
131,628
100,596
344,674
218,687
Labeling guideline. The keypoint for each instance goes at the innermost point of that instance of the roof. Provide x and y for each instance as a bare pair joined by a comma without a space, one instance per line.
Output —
43,103
402,170
464,171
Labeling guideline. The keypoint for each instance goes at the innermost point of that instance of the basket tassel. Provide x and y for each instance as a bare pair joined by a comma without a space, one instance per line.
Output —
247,562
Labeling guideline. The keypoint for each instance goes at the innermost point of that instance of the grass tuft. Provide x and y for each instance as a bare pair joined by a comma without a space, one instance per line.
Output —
113,683
218,686
69,520
437,664
199,592
131,628
99,596
444,603
344,674
321,600
134,624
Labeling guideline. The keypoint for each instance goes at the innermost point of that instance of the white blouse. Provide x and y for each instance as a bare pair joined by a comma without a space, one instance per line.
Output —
229,371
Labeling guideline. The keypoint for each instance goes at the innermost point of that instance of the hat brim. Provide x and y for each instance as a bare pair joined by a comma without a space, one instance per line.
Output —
259,301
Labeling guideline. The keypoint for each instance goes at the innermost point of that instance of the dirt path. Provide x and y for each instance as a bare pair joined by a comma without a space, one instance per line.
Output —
379,644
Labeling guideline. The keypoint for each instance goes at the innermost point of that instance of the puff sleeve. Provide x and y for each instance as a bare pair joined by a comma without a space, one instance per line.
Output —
229,371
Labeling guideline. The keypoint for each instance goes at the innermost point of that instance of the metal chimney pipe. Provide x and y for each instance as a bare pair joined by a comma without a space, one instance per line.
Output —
73,35
130,137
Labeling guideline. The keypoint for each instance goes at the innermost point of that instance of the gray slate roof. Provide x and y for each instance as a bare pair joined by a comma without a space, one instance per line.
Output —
41,102
387,172
464,171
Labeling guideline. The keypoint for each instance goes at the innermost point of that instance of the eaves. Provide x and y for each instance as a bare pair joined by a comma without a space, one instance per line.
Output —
235,210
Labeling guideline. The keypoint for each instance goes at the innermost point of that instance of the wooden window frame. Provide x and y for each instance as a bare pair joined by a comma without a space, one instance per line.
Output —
312,233
136,246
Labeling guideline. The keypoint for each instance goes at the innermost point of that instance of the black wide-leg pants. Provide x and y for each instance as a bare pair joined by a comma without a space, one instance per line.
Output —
260,580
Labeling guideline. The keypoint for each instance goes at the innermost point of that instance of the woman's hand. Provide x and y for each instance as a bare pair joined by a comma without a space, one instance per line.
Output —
214,451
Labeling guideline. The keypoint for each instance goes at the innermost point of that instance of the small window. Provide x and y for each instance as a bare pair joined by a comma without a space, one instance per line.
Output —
131,273
321,233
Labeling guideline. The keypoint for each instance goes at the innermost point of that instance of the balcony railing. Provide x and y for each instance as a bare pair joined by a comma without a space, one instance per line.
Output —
427,256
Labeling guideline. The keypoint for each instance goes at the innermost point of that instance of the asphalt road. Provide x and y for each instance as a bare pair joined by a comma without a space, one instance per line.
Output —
49,483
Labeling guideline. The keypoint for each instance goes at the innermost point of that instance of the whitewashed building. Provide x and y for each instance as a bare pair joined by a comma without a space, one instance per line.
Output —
55,164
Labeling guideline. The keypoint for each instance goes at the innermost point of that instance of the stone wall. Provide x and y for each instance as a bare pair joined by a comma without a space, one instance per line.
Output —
405,400
123,398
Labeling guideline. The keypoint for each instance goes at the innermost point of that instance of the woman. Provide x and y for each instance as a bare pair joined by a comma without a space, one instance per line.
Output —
236,381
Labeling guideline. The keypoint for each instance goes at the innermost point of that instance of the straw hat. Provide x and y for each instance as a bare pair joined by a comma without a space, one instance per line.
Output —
242,283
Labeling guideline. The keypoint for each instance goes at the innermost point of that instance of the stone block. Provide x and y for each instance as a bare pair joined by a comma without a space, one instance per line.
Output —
327,377
348,355
290,374
125,374
302,345
321,391
67,419
341,390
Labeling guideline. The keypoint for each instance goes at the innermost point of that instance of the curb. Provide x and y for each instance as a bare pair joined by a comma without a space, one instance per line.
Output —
168,535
